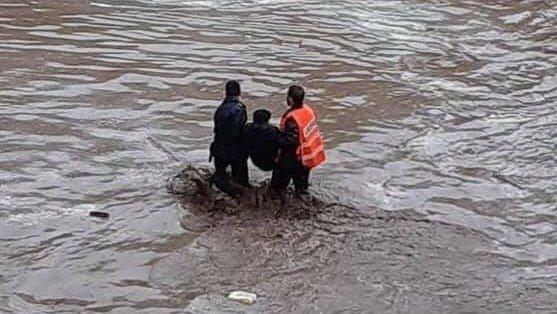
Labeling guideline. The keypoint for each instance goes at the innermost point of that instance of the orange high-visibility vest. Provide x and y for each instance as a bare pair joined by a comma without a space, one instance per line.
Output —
310,149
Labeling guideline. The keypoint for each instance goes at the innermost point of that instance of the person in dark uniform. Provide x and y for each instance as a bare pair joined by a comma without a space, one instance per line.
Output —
227,148
262,140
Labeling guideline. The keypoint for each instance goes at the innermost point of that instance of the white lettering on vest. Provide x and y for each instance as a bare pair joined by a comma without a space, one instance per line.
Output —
310,128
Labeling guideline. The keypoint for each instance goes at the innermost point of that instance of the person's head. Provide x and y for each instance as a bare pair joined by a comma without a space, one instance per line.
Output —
295,96
261,116
232,89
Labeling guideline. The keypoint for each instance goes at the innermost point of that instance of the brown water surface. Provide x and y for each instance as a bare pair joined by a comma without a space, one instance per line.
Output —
440,123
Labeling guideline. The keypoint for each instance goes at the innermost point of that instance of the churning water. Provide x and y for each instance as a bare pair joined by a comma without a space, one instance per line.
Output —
440,123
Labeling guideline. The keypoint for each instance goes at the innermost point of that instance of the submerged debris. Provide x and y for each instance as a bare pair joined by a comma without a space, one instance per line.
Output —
95,213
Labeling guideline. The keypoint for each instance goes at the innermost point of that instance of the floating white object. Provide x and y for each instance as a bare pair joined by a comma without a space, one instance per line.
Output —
242,296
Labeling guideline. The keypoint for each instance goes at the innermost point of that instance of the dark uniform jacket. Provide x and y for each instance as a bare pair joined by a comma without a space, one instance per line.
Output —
230,119
262,141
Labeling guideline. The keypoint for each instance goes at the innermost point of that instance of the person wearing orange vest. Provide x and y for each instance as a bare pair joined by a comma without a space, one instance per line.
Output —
301,144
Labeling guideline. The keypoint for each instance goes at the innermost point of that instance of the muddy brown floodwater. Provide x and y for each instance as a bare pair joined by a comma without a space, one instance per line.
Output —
440,122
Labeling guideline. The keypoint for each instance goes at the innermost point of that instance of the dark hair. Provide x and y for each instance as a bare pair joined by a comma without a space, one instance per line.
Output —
261,116
297,94
232,88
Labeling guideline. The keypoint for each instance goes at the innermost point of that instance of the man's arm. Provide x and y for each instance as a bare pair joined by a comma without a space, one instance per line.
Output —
215,123
216,120
242,124
289,138
244,118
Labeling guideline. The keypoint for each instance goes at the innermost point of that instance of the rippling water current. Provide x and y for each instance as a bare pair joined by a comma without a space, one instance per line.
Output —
440,122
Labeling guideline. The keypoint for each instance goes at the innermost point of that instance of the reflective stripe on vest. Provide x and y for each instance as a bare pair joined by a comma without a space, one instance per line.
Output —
310,150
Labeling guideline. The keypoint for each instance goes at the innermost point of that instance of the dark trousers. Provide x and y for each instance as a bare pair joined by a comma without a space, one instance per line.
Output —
234,157
290,169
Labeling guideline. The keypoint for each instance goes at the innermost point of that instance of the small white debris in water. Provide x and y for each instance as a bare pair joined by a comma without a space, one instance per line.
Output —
244,297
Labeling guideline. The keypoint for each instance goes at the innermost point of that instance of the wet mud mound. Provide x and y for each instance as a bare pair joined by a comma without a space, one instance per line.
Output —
313,256
194,189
